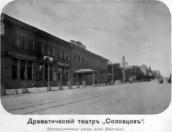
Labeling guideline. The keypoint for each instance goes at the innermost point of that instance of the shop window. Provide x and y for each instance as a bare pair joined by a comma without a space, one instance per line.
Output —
51,73
14,68
40,69
30,69
22,70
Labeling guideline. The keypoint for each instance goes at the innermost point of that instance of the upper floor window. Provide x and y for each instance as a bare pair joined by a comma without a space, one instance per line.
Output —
30,45
50,50
46,49
14,40
22,42
65,56
69,56
60,54
54,51
79,58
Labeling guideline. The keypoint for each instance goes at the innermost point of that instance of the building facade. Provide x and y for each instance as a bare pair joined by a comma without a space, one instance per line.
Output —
31,57
87,66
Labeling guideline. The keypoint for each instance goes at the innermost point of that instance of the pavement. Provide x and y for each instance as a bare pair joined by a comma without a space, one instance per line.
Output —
135,98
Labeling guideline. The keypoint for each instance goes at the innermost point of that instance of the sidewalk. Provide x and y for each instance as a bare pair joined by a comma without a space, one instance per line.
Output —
42,89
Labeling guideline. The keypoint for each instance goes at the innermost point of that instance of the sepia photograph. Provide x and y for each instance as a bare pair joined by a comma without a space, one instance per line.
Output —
85,57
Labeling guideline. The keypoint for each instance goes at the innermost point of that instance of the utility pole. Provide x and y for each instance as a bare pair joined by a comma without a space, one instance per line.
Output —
124,64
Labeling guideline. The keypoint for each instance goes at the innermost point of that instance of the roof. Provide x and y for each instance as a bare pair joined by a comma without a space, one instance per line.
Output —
84,71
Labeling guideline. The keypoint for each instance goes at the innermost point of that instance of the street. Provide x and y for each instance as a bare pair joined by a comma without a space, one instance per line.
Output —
135,98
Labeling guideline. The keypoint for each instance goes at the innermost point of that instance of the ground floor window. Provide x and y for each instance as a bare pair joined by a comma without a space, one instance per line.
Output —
51,72
14,68
46,72
30,69
22,69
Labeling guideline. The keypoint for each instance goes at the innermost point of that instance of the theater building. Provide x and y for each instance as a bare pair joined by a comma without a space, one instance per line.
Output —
87,66
31,57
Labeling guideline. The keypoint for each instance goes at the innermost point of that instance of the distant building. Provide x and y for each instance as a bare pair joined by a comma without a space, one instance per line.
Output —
30,56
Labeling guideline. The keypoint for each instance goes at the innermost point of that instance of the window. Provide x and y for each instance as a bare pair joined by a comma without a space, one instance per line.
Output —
76,59
60,54
46,49
14,40
79,59
31,45
14,68
50,52
40,69
54,51
69,56
51,73
64,55
22,70
22,42
83,60
29,72
41,47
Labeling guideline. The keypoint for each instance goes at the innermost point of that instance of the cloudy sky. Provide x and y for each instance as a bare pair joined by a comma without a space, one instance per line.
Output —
138,30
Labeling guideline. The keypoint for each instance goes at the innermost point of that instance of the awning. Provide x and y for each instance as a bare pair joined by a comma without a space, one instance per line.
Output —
84,71
22,56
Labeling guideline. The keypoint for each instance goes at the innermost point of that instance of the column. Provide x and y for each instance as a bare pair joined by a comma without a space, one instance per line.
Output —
60,86
26,72
69,81
68,74
48,82
33,68
43,72
65,75
54,74
24,90
77,81
34,73
93,79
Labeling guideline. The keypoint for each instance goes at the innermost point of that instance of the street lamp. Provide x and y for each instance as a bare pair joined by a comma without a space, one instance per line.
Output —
60,83
49,59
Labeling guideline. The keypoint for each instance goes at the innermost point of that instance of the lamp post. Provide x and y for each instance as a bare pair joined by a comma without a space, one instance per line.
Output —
60,83
49,59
